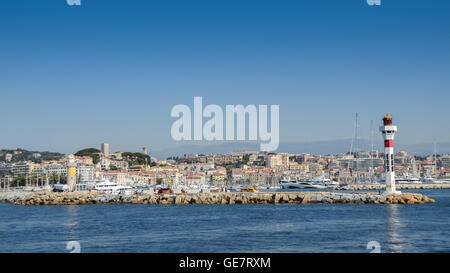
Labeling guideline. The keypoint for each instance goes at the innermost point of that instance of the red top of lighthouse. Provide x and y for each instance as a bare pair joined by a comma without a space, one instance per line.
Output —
387,120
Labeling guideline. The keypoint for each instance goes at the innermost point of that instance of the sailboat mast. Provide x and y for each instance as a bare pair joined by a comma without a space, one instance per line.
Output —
435,161
371,151
356,147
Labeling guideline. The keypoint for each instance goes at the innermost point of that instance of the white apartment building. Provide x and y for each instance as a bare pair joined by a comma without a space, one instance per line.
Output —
273,161
86,172
55,168
22,168
445,162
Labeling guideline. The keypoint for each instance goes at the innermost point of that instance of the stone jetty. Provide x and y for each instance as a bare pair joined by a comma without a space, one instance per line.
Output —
379,187
84,198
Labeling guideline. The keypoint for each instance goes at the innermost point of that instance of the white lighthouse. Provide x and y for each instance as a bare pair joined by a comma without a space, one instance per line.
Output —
388,131
71,173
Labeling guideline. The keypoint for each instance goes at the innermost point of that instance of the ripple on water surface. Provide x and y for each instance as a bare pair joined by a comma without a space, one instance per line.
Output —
229,228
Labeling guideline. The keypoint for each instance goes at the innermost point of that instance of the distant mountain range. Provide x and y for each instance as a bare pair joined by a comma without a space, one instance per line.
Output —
314,148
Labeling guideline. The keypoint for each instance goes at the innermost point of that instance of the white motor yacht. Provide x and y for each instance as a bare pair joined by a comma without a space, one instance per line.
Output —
109,187
322,180
408,180
292,184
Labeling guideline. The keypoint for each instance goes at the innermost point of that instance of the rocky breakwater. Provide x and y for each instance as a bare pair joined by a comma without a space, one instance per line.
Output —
12,196
56,198
367,187
82,198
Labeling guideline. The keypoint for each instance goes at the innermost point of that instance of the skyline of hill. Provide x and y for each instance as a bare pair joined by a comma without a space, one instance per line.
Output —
330,147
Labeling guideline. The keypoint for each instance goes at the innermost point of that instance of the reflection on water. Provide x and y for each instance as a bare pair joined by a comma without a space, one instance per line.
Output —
72,216
72,221
219,228
394,241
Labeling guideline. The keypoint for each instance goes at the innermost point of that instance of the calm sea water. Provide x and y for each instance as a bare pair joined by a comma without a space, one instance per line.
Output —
228,228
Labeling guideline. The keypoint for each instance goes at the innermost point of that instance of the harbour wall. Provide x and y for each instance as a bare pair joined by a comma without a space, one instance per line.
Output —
85,198
367,187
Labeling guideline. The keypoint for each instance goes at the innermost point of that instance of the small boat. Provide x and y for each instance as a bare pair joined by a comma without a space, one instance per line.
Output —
249,189
164,190
214,189
60,187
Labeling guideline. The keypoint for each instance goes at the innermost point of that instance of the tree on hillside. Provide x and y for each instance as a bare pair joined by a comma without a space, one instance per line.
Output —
91,152
137,158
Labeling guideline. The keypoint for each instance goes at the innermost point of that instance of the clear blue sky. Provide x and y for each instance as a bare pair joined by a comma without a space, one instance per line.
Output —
73,77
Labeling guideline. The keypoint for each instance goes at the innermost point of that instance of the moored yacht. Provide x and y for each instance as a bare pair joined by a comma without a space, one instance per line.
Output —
287,184
407,180
322,180
109,187
428,179
431,180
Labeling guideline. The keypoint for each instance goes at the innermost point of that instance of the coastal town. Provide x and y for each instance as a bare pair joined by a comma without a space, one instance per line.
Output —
258,169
